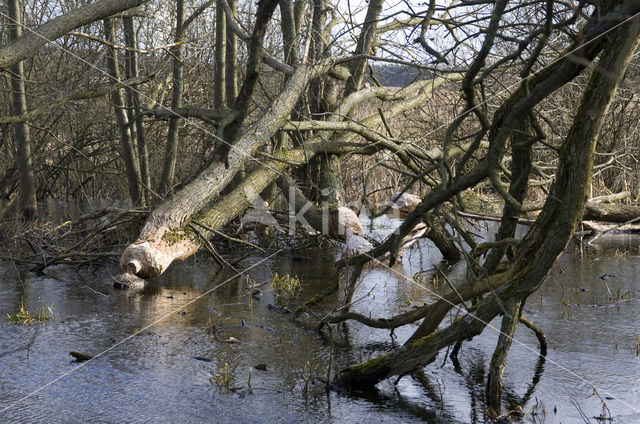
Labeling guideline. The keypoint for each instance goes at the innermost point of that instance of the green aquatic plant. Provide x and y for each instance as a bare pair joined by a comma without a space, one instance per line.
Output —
24,317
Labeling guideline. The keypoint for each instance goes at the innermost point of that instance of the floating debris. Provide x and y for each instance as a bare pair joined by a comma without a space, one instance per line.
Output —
301,258
202,358
80,357
279,309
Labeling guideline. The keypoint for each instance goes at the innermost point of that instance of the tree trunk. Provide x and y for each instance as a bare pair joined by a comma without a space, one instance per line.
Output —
172,215
133,95
171,148
364,46
129,154
521,147
150,255
240,109
330,181
220,72
611,212
510,320
28,44
443,240
289,32
27,183
231,62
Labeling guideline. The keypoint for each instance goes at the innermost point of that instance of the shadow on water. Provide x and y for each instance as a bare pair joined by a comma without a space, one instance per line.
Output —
229,357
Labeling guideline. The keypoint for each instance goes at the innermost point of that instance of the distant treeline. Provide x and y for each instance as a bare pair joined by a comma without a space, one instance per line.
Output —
393,75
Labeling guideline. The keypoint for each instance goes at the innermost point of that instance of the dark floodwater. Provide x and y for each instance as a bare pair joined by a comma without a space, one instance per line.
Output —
149,373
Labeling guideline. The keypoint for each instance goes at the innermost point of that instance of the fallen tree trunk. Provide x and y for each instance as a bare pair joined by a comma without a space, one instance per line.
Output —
613,212
595,216
599,227
166,237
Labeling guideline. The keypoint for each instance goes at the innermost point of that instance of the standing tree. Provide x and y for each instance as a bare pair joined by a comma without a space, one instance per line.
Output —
27,183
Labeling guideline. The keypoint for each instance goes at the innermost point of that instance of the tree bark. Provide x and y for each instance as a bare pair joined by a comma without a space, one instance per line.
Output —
27,204
521,148
231,61
617,213
173,214
133,96
220,70
28,44
510,320
289,32
129,154
241,104
171,148
364,46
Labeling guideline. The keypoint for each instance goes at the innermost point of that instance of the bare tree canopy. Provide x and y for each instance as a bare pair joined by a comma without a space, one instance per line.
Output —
202,113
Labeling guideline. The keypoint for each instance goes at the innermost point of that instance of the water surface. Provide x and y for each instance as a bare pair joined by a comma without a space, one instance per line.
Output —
163,364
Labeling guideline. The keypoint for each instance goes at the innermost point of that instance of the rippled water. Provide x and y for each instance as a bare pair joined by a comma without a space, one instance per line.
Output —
149,373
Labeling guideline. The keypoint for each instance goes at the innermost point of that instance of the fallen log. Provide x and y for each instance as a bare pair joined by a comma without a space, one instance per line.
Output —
597,216
614,212
166,237
599,227
610,198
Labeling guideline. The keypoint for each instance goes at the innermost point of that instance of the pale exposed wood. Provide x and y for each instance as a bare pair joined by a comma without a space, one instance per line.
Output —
402,204
611,197
148,259
600,227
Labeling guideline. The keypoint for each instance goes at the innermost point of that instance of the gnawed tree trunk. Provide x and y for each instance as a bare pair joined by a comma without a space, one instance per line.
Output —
545,240
160,241
27,204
